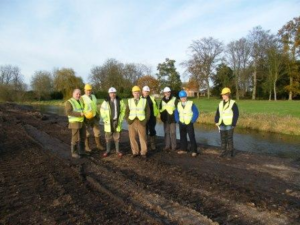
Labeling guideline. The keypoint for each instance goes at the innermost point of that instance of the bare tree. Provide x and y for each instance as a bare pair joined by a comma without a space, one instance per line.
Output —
238,56
202,63
275,63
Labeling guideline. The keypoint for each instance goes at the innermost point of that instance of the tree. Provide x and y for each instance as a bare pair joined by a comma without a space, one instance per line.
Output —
205,55
238,56
116,74
290,37
223,78
258,39
42,84
66,81
149,81
275,64
168,76
12,87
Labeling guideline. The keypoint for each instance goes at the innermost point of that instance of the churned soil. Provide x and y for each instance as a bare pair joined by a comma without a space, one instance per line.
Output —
41,184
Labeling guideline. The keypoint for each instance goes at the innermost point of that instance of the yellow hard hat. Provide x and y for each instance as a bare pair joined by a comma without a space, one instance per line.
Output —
88,87
88,115
225,91
136,88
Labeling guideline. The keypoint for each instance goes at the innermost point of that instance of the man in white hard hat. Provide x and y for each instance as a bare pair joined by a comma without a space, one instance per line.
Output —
112,112
150,126
167,107
91,117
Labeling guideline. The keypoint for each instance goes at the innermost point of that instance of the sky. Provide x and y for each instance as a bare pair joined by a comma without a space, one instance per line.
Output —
80,34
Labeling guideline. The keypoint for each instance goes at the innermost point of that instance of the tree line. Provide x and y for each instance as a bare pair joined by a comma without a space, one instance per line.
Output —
261,65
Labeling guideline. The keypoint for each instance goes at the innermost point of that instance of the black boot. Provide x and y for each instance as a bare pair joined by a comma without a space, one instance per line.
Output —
223,134
230,143
82,151
74,153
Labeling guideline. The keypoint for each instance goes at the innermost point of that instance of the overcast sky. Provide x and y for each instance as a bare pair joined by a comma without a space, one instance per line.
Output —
79,34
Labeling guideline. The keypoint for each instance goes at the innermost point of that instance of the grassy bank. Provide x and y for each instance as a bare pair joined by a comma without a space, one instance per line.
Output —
279,117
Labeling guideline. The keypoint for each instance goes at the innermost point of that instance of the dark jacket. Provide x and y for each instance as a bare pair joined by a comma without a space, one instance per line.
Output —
150,103
235,110
147,114
165,116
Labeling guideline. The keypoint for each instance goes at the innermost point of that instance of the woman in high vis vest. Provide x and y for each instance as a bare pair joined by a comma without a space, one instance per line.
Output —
91,117
150,126
167,107
137,114
74,111
226,118
186,115
112,112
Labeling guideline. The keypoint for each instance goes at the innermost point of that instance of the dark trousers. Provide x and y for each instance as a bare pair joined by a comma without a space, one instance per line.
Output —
184,131
150,127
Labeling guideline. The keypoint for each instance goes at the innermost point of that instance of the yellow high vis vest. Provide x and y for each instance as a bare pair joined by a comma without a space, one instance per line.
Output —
77,107
137,111
105,113
226,113
169,106
90,104
185,113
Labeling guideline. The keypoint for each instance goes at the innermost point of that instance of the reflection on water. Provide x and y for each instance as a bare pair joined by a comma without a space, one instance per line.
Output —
244,139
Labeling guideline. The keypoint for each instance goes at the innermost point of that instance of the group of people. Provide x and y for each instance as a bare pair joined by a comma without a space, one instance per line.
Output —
141,113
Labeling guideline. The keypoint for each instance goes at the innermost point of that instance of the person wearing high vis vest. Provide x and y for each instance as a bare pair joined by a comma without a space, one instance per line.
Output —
167,107
186,115
91,117
74,111
137,114
226,118
112,112
150,126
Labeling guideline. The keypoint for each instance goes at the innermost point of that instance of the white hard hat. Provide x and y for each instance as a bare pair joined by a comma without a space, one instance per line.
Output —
167,89
112,89
146,88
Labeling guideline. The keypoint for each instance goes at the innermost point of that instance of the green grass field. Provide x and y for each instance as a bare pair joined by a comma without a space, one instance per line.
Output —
280,108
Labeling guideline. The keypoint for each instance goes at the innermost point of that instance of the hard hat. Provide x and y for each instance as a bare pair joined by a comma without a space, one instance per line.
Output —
88,115
225,91
167,89
88,87
182,94
146,88
112,89
136,88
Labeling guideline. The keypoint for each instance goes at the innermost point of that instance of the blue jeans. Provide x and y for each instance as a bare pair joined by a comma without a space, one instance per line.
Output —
226,127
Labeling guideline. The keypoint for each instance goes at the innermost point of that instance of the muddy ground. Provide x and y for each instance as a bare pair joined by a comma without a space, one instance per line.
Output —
41,184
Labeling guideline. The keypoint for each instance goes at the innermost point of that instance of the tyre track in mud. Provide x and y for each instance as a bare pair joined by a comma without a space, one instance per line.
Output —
38,188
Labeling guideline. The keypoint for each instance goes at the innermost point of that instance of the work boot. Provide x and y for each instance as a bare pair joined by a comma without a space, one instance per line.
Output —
152,142
87,144
223,134
74,153
108,144
99,146
230,143
81,149
117,144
